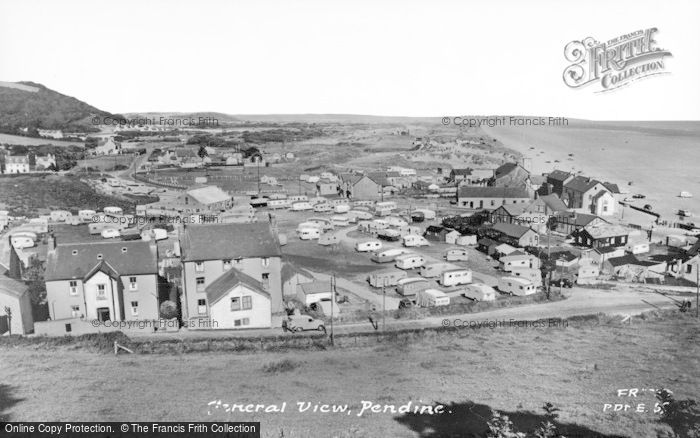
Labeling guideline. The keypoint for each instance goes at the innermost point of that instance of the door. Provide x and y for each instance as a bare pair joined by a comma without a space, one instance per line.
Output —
103,314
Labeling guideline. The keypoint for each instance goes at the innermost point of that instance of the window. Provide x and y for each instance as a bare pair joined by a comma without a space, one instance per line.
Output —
202,306
227,265
132,283
200,283
265,261
75,311
266,280
241,322
135,308
73,287
199,267
237,261
101,292
688,268
493,203
235,304
247,302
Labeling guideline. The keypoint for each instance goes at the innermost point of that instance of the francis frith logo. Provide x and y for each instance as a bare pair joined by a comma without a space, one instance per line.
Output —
614,63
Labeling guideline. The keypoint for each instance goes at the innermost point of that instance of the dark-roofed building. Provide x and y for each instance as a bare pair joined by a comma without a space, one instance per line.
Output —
106,281
210,251
507,213
460,175
568,222
473,197
516,235
511,175
236,300
583,193
360,186
556,179
602,235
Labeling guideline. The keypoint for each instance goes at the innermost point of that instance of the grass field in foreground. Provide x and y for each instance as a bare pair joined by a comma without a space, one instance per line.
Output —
514,370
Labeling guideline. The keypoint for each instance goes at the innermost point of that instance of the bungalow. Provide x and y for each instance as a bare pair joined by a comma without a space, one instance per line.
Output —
211,251
600,236
517,235
360,186
44,162
507,213
487,245
436,233
107,147
105,281
564,258
474,197
567,223
326,187
205,199
309,293
14,297
292,279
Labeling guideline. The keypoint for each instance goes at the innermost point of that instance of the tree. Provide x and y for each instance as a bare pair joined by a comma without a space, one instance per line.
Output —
8,312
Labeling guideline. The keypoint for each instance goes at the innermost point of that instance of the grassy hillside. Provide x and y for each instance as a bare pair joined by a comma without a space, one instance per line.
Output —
26,104
513,370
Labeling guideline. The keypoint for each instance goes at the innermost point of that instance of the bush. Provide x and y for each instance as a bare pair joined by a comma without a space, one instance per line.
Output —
281,366
168,310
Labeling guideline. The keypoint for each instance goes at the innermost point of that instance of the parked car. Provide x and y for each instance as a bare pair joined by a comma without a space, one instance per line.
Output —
562,282
301,323
405,303
638,196
648,207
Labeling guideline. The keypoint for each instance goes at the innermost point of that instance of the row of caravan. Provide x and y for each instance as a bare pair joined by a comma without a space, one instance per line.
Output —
452,277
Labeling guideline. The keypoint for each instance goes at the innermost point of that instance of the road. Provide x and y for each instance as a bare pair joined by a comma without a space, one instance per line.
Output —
579,301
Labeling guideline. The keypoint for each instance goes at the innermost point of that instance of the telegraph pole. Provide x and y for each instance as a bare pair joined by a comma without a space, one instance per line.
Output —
384,306
697,285
332,304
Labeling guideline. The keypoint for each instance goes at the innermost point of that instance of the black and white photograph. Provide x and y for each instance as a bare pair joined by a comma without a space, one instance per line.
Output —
350,219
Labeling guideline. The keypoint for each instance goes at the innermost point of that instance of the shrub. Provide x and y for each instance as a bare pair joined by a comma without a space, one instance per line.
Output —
282,366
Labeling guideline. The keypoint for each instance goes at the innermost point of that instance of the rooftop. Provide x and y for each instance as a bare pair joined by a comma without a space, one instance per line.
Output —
209,195
73,261
511,230
229,241
492,192
228,281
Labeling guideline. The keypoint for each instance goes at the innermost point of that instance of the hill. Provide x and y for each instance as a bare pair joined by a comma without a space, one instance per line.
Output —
33,106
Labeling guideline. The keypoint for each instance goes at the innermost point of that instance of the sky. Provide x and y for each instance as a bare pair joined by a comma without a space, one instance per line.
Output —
382,57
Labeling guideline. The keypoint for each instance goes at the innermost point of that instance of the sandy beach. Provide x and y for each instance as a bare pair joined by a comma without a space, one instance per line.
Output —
659,159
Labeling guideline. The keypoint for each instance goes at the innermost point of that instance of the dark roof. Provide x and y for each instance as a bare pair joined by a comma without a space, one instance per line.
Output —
435,229
627,259
577,219
513,209
558,175
229,241
379,178
504,169
316,287
566,255
466,172
228,281
73,261
492,192
289,270
607,249
485,241
554,202
12,287
612,187
511,230
581,184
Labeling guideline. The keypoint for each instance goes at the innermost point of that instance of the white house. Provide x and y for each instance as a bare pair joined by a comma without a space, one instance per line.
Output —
604,203
17,164
237,300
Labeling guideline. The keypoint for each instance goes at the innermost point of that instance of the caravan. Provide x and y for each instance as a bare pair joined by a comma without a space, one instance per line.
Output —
431,298
309,233
302,206
389,235
435,269
386,278
516,286
340,221
387,256
411,286
323,207
456,255
278,203
479,292
368,245
341,208
321,222
455,277
409,261
413,240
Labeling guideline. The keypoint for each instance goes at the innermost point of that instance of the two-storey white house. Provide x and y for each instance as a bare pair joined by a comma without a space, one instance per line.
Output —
231,274
106,281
